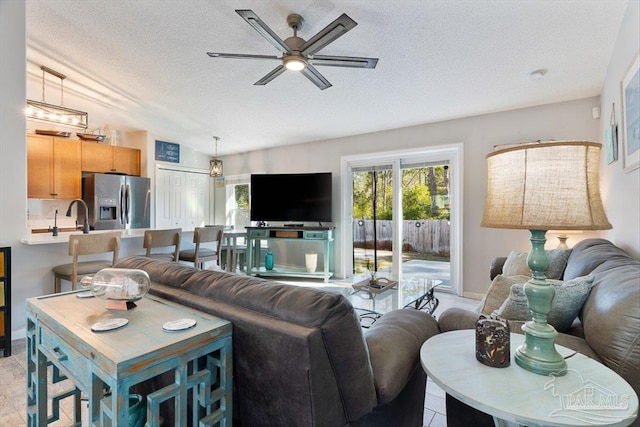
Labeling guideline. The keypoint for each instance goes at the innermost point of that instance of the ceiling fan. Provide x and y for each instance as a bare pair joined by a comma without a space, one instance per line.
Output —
299,54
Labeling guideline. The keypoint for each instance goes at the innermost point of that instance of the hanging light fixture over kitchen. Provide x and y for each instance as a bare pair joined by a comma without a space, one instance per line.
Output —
215,165
56,114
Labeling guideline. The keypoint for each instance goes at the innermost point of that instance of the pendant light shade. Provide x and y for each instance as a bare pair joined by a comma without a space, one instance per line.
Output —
215,165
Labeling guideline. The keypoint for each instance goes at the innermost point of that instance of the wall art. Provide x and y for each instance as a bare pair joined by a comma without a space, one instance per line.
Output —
630,88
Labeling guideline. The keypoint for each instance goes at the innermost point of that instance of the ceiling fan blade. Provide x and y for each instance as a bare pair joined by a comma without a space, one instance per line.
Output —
314,75
344,61
240,56
272,75
331,32
262,28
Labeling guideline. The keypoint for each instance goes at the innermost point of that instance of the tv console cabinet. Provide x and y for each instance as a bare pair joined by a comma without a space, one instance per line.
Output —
255,236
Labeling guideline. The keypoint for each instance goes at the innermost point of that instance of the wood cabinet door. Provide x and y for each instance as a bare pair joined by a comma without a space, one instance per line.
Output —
126,160
97,157
53,168
67,173
40,167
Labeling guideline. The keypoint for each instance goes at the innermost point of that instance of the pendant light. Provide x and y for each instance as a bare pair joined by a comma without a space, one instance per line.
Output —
215,165
55,114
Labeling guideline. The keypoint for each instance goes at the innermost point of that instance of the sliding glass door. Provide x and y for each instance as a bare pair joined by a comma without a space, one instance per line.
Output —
425,221
405,221
372,219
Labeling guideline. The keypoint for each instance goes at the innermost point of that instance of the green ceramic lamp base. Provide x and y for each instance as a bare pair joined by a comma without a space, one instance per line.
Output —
538,353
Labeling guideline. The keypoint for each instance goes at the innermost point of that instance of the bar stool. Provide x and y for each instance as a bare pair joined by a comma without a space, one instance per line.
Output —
199,255
86,244
154,239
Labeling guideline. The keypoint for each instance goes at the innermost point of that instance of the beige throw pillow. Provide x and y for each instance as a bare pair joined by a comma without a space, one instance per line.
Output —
498,292
516,264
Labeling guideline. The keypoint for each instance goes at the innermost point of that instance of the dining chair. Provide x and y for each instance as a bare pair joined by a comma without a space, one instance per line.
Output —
199,255
154,239
86,244
233,254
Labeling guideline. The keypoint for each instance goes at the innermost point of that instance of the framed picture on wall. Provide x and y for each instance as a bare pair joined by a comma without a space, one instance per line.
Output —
630,88
611,143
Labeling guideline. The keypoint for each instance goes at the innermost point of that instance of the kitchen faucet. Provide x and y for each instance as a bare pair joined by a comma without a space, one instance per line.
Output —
55,224
85,227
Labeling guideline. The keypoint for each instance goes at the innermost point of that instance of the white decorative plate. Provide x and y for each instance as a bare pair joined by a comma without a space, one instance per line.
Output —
179,325
86,294
109,324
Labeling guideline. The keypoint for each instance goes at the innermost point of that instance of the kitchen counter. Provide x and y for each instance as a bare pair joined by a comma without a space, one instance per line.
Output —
63,237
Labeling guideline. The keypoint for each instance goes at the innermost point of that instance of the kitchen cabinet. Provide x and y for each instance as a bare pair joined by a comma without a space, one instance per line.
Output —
53,168
101,158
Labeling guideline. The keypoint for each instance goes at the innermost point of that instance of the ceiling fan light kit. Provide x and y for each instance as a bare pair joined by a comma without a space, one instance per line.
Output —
294,62
298,54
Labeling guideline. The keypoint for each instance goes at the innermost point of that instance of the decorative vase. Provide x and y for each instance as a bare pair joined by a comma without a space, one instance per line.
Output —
311,261
268,261
122,286
493,342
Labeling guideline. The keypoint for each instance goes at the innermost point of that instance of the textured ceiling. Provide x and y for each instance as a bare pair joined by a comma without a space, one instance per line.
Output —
144,63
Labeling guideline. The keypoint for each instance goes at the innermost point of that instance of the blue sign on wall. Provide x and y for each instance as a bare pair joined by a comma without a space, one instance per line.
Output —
167,152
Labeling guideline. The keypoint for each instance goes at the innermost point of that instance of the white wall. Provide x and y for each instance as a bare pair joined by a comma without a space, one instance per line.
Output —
621,190
561,121
13,151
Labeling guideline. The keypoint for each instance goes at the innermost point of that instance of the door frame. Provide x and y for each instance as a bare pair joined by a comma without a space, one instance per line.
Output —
453,153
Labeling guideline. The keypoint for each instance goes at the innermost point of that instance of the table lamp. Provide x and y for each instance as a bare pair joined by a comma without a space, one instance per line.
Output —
563,236
543,186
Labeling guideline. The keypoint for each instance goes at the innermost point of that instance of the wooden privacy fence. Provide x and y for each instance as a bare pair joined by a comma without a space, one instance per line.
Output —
425,235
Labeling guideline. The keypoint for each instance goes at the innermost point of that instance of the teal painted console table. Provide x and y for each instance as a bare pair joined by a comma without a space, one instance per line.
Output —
106,365
323,235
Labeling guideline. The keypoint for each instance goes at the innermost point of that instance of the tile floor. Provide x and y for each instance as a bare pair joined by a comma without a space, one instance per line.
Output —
13,382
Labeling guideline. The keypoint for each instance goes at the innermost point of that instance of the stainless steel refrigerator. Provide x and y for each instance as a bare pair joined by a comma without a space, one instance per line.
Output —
116,201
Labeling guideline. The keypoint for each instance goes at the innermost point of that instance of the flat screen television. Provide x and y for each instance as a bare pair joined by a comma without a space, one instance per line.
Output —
296,197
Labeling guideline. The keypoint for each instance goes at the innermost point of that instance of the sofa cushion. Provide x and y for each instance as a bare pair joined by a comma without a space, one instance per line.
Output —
611,317
498,292
330,312
569,299
398,329
588,254
169,273
516,263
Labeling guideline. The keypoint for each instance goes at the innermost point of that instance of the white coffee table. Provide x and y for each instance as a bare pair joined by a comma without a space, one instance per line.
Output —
589,394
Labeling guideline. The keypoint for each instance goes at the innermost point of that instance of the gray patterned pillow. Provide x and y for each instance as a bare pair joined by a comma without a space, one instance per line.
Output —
569,299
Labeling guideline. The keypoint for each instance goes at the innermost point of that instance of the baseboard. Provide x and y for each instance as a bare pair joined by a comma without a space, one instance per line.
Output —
18,334
473,295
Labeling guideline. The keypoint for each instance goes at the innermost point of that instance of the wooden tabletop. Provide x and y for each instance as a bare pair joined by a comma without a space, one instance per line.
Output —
71,318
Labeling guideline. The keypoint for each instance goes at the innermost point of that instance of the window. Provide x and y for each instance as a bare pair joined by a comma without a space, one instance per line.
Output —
238,201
